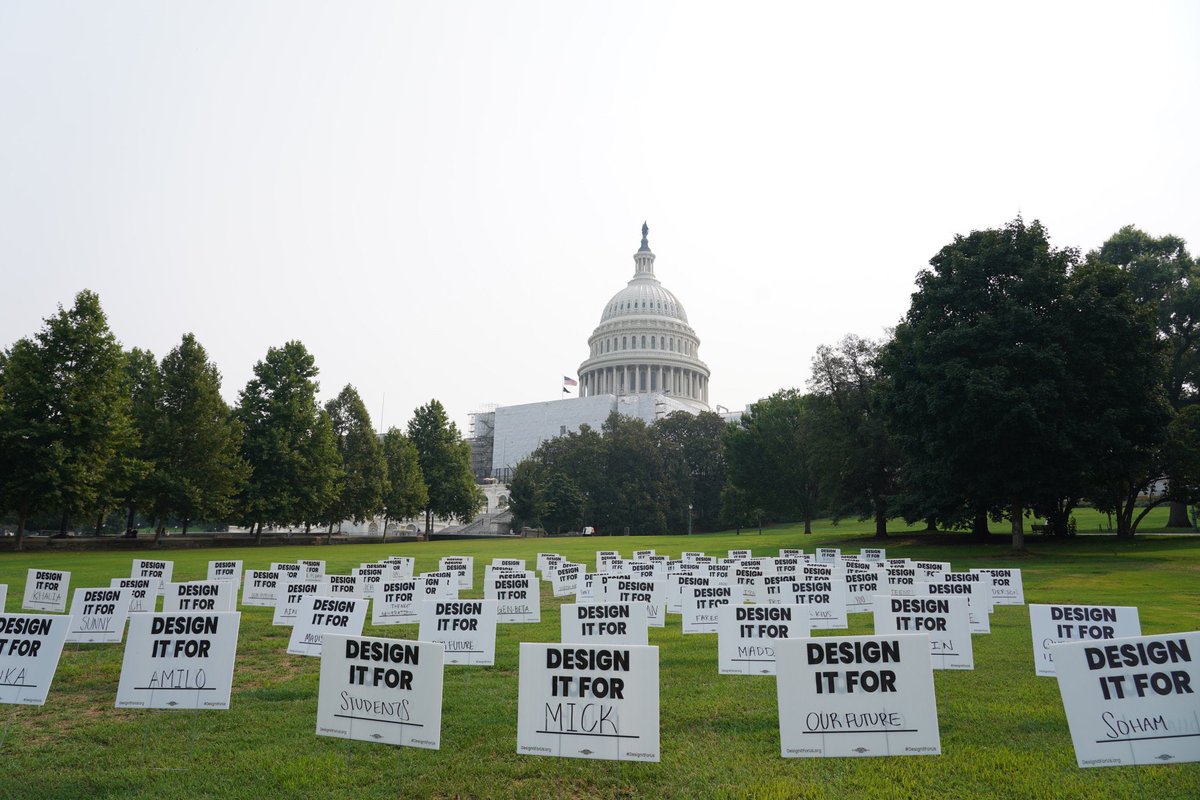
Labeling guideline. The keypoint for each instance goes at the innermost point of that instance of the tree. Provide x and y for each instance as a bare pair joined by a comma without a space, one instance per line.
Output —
771,460
64,414
445,459
288,441
1166,278
197,441
142,380
699,437
526,498
1009,374
645,486
406,491
563,504
365,477
856,454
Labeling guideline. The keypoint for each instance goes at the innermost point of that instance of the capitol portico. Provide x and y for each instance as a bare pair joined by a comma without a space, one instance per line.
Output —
644,344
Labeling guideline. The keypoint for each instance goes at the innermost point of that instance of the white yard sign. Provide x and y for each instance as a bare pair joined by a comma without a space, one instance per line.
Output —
701,605
466,627
1132,700
200,596
1053,624
260,587
179,661
225,571
856,696
396,602
598,702
603,623
30,646
746,636
943,619
1007,587
381,690
46,590
142,596
319,615
158,571
518,596
98,615
289,594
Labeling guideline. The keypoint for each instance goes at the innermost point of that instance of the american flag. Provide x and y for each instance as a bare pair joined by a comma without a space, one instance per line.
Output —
569,381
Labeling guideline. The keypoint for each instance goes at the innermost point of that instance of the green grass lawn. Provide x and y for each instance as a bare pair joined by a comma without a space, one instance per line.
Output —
1004,734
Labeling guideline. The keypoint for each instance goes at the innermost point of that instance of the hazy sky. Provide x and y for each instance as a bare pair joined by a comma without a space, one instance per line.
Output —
438,198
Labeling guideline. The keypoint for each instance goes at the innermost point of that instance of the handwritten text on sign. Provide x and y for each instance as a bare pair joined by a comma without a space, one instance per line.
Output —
1132,700
179,661
321,614
597,702
381,690
856,696
30,646
466,627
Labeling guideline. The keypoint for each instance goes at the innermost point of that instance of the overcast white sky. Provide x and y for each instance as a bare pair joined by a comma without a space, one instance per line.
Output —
438,199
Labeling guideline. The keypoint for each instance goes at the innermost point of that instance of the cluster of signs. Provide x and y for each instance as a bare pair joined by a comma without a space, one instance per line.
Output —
1129,699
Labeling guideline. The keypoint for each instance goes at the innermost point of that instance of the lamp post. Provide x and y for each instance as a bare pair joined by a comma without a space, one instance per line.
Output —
385,522
689,519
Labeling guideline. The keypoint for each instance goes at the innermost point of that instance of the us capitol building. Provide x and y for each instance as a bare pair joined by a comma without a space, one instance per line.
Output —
643,362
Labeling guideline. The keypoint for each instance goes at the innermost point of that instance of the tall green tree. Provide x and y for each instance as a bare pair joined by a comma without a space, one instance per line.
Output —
700,440
144,387
197,442
406,493
365,476
857,456
288,441
445,459
1164,277
526,492
563,504
772,462
64,414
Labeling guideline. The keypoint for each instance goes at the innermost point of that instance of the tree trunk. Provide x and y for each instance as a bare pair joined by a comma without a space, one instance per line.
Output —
258,532
186,520
129,520
21,517
385,524
428,522
158,530
1178,518
307,528
931,524
62,527
1018,525
99,523
880,522
979,526
807,524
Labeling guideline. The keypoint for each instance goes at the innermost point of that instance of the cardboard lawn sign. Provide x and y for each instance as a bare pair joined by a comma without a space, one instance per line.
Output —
1133,700
225,571
903,580
98,615
30,646
312,570
1007,588
701,605
978,593
738,555
466,627
652,592
342,586
319,615
603,623
200,596
179,660
402,564
828,555
565,578
872,555
1053,624
290,570
856,696
289,594
463,567
46,590
511,563
825,599
861,588
3,596
260,587
141,593
518,597
441,585
155,570
381,690
681,583
746,634
397,602
943,619
598,702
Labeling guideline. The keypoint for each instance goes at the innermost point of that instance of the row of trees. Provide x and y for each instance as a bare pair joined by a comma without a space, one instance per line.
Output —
628,475
86,428
1023,379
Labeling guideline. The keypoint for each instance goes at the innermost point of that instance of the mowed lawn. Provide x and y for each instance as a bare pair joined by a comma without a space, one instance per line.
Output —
1004,734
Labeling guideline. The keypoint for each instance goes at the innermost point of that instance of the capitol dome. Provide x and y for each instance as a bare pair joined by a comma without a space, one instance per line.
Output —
644,343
